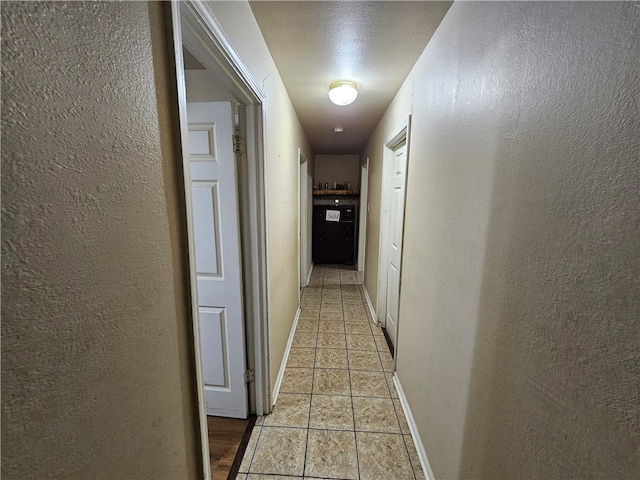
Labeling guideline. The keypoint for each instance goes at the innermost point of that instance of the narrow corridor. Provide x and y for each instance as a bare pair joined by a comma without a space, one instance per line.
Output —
337,415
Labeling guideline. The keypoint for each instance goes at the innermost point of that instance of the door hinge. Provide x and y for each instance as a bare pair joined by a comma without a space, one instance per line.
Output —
249,376
239,144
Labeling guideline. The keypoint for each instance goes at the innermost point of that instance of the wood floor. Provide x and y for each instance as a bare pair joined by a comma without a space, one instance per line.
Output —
228,438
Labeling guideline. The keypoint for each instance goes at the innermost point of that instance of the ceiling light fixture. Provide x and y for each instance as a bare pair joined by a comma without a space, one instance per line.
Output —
343,92
338,129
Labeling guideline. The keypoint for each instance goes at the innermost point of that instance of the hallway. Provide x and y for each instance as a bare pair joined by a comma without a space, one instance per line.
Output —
337,413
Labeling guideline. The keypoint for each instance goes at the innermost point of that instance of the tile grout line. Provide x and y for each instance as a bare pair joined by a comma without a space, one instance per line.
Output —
393,404
406,447
329,429
313,376
255,449
353,410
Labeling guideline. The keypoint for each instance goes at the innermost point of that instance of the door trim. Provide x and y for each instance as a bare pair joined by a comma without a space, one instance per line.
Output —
303,199
396,137
206,39
364,213
220,59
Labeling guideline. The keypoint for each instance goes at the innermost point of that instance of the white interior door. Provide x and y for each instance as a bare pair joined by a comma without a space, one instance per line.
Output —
396,226
214,206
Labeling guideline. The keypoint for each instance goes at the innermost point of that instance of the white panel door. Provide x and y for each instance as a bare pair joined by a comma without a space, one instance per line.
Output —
394,247
214,206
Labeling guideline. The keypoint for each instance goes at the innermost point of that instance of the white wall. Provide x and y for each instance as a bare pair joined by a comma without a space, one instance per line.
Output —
518,323
284,136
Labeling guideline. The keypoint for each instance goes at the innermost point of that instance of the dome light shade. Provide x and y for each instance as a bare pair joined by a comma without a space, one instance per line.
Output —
342,92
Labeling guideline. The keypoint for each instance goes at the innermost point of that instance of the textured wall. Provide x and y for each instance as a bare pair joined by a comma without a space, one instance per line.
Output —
284,136
95,337
519,317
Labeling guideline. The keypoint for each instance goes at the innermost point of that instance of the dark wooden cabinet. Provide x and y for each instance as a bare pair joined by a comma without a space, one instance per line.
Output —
334,241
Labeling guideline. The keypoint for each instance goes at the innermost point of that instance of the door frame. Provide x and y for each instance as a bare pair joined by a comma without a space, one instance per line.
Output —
303,203
364,211
191,23
396,137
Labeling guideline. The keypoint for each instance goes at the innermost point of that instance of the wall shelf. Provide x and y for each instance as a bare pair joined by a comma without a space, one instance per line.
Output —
332,193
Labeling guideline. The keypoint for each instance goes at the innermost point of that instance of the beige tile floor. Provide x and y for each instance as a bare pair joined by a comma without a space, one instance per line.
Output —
338,415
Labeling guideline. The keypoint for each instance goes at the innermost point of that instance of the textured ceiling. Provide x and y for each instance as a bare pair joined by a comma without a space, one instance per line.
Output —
373,43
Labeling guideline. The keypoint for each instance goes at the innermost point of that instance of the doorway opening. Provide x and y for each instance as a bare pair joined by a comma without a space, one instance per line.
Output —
222,148
364,210
305,188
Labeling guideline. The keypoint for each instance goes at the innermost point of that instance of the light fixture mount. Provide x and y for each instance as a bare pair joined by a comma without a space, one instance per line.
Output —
343,92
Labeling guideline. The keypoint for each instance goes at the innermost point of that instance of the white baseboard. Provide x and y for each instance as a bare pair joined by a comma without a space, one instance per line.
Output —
309,275
413,428
370,305
285,357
